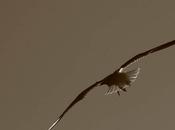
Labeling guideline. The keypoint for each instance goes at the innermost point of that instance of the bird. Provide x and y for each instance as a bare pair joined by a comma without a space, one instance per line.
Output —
117,81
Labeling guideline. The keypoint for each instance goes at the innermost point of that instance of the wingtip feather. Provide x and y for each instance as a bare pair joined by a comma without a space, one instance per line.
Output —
54,123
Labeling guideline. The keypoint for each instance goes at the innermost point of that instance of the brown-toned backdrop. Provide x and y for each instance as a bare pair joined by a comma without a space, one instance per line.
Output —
51,50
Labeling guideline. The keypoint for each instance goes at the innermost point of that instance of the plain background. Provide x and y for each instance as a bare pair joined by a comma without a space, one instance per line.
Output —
52,50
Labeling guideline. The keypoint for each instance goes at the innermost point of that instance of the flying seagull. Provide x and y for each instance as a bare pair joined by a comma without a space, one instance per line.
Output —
118,81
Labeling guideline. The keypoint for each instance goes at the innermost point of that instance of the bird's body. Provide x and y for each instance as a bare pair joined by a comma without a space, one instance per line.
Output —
118,81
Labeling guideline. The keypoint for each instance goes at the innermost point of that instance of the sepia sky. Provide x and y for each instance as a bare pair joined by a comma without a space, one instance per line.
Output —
52,50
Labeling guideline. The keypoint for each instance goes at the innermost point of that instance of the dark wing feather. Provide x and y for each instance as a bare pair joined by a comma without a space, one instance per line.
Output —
76,100
138,56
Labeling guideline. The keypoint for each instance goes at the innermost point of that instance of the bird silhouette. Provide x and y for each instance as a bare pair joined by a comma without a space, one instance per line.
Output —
117,81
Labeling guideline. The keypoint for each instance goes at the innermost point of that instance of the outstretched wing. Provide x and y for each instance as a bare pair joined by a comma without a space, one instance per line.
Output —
76,100
141,55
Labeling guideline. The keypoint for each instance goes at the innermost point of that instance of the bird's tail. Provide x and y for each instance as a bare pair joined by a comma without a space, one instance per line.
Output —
132,75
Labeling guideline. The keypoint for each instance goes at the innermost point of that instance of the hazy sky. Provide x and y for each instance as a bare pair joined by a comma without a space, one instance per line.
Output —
52,50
